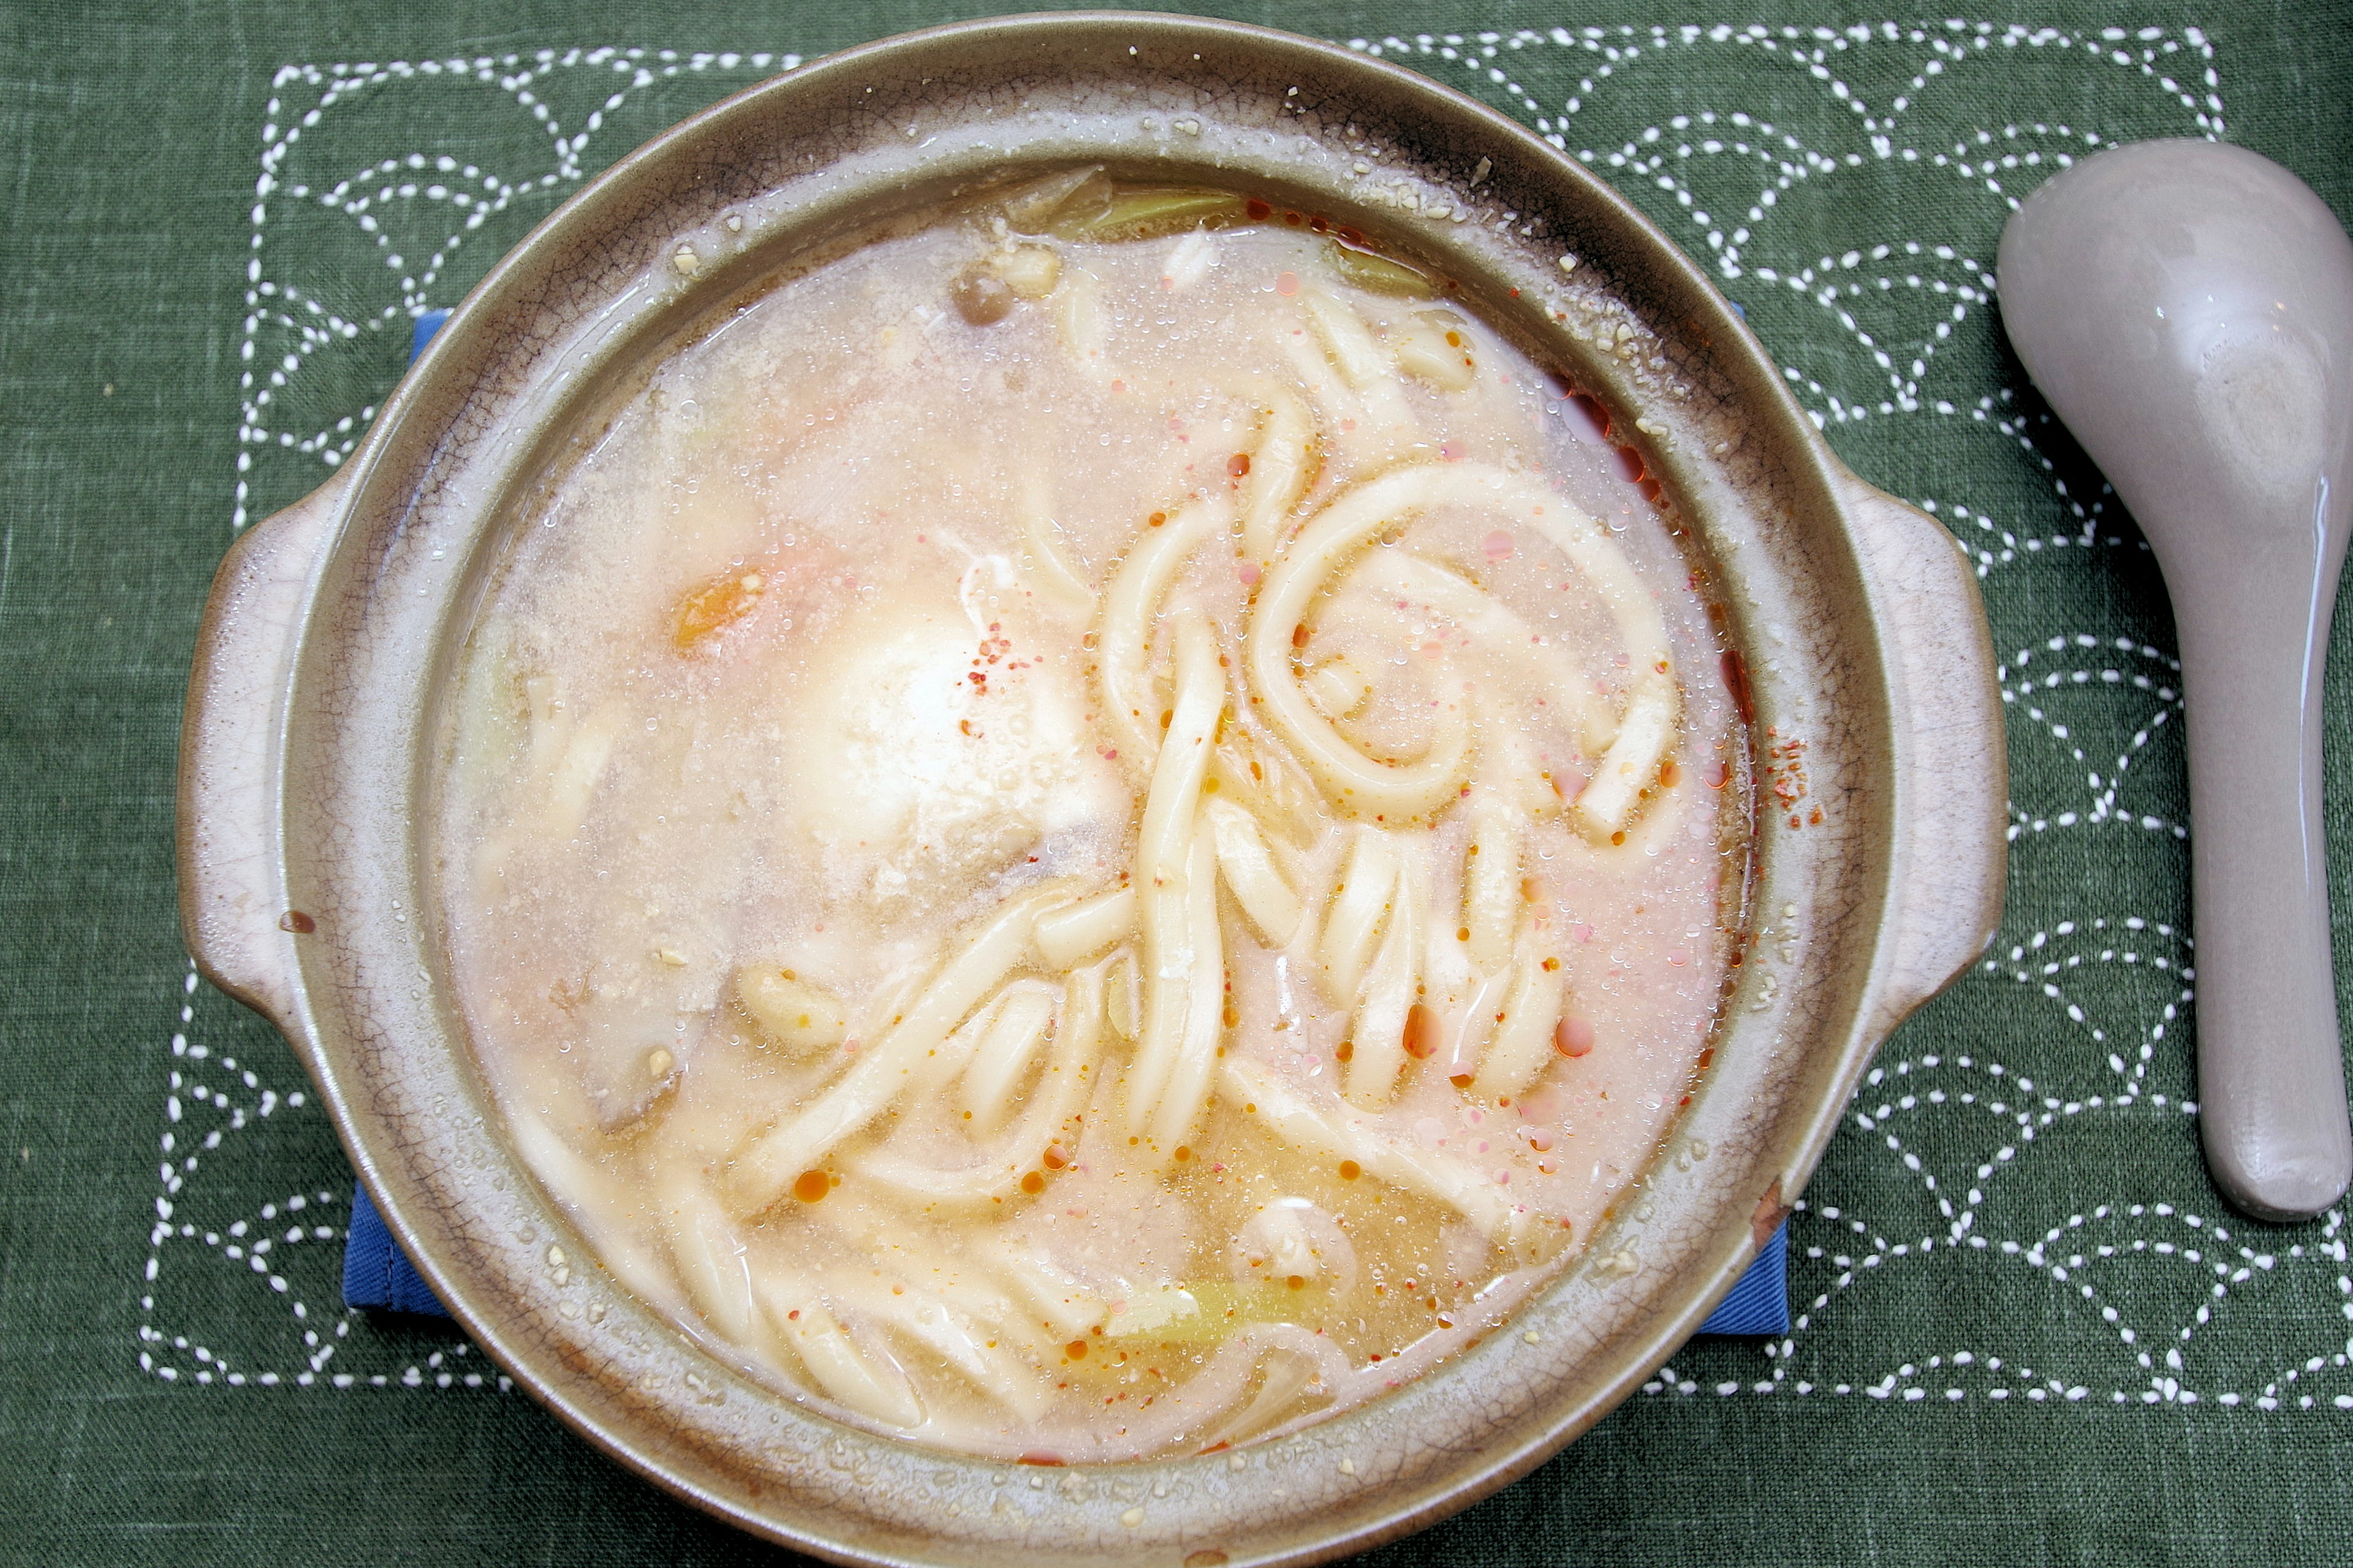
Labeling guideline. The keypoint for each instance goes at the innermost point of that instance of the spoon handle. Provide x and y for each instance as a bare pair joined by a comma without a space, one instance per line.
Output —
2271,1074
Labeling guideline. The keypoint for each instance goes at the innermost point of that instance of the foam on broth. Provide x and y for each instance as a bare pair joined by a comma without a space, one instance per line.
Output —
1092,830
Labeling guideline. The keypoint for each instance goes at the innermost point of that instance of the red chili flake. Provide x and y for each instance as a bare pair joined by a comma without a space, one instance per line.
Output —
1736,681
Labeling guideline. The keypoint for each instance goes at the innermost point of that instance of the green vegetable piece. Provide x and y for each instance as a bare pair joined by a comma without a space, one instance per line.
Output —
1381,275
1033,207
1146,214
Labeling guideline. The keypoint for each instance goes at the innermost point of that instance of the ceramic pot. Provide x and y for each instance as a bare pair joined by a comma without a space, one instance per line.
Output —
334,627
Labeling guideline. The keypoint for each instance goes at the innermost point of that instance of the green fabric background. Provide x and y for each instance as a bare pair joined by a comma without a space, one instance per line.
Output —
129,150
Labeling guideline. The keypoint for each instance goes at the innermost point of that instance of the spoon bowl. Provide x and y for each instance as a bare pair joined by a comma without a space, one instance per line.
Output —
2187,308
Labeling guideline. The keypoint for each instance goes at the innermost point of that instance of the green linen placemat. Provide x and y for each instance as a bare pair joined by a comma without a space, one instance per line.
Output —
2026,1329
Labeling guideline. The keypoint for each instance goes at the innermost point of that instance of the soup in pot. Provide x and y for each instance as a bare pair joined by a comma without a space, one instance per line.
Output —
1098,828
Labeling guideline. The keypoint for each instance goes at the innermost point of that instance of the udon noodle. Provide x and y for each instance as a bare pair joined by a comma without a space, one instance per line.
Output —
1086,831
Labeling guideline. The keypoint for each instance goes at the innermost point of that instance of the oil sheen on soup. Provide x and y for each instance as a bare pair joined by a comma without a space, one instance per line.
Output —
1088,831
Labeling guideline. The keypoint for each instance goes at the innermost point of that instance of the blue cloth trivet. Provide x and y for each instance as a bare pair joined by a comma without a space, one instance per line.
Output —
376,1273
1759,1301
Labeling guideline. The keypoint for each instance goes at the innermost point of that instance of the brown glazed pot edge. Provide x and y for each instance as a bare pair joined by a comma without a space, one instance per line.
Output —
306,759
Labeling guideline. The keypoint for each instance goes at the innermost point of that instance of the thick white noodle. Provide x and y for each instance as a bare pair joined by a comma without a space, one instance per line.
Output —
1377,1036
712,1259
1333,403
1482,1009
1122,643
1347,342
1365,786
1362,785
1186,1091
1358,906
883,1070
1358,356
1508,762
950,1335
573,779
1177,1016
1255,775
1080,322
551,722
570,1178
1250,870
833,1360
945,1062
1296,1364
1062,1087
1067,938
1050,571
1490,880
1188,261
1418,341
1341,1133
1123,995
1394,574
1279,473
1630,764
1522,1043
1005,1052
1065,1306
1338,687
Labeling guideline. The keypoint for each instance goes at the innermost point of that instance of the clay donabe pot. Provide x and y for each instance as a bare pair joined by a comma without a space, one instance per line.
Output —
335,626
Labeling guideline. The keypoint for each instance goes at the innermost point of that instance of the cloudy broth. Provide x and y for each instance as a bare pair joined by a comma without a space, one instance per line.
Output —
1092,830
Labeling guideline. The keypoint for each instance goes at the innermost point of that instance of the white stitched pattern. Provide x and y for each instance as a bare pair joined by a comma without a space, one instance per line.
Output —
2140,1295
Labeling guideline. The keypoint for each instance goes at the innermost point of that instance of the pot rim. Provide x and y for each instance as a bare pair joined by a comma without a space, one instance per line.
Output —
1896,982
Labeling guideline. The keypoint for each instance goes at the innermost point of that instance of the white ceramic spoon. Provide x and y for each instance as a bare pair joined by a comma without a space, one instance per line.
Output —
2187,306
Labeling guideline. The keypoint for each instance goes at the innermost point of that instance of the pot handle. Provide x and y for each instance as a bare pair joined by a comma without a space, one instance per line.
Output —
1951,761
234,911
